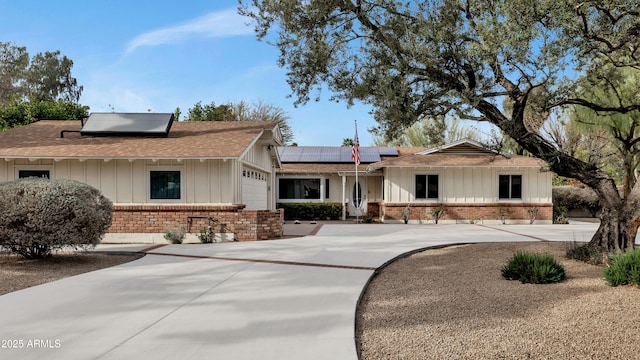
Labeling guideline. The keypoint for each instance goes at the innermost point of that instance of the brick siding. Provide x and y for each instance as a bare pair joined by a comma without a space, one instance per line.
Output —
468,212
246,225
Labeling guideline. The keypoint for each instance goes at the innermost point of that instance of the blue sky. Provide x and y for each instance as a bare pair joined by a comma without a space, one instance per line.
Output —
138,55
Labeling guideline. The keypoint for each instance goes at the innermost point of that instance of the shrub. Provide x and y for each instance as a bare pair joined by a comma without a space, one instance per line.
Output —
38,216
573,197
533,268
584,252
624,268
311,211
437,212
560,214
206,236
176,235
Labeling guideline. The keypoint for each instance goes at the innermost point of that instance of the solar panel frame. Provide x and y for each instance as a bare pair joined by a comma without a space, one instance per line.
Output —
331,154
128,124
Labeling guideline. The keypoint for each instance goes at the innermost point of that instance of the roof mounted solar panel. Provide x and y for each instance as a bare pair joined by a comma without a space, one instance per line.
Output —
331,154
128,124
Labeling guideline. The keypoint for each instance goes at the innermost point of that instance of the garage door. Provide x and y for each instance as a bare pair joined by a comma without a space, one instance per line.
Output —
254,190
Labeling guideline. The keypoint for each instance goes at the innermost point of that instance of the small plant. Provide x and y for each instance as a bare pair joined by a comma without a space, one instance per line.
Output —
176,235
503,212
624,268
205,236
476,220
533,214
533,268
584,252
368,218
437,212
405,214
560,214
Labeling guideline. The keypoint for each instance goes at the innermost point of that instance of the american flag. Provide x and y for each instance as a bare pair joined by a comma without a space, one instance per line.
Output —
355,150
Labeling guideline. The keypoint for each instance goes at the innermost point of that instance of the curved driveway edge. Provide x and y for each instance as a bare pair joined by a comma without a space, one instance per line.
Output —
279,299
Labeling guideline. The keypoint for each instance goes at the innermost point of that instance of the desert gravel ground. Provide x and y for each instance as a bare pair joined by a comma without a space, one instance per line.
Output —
17,273
453,303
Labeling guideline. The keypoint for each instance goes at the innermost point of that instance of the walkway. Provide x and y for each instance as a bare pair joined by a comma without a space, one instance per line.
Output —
282,299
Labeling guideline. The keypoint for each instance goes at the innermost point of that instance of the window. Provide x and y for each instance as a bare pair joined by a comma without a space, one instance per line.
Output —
326,188
299,189
34,173
165,184
426,186
510,187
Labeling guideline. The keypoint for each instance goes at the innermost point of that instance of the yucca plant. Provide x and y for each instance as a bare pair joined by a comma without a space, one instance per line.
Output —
533,268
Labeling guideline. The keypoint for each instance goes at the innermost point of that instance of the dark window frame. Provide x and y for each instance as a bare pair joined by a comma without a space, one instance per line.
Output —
27,173
296,189
164,178
427,186
510,187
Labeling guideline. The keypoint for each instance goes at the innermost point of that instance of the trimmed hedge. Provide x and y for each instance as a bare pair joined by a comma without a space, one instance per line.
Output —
572,197
311,211
38,216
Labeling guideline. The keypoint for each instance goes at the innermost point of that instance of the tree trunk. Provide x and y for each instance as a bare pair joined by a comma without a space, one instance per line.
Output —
619,221
616,233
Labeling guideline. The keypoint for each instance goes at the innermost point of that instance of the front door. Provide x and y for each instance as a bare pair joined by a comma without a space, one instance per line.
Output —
357,201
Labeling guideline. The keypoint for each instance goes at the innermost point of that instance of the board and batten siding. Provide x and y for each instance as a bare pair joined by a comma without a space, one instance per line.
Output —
467,185
127,182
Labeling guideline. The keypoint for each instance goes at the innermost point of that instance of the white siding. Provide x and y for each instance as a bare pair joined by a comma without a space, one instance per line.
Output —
126,182
467,185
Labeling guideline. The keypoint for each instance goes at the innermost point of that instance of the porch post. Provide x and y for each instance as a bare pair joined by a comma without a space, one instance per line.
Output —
344,186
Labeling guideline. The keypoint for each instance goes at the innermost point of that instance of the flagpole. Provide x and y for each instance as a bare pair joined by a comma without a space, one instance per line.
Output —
356,161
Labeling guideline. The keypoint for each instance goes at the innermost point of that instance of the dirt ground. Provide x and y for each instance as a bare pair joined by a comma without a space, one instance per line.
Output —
17,273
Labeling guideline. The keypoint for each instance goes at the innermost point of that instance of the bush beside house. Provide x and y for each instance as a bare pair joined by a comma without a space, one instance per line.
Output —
38,216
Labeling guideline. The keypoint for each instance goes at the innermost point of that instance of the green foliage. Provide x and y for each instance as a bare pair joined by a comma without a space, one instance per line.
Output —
533,268
311,211
584,252
175,235
414,60
44,77
19,112
560,214
437,212
624,268
38,216
503,213
572,197
242,111
347,142
209,112
205,236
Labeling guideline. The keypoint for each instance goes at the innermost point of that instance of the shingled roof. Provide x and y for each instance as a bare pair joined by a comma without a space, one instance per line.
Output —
202,139
463,153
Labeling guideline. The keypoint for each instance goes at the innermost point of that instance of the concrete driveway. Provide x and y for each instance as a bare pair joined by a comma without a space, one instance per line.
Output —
282,299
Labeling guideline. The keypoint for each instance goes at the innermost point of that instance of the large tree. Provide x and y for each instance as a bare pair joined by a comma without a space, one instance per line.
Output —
242,111
44,77
19,112
435,57
429,133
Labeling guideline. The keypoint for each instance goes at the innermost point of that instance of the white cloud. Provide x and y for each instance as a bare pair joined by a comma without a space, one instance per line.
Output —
220,24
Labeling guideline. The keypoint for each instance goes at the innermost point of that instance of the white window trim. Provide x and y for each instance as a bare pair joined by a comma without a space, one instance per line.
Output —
522,188
17,169
148,171
427,199
322,189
